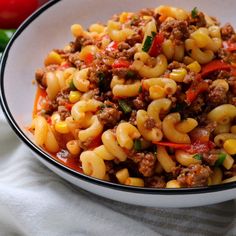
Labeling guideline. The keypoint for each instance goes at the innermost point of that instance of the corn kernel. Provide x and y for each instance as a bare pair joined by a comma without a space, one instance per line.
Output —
62,127
53,58
74,96
98,28
230,146
122,175
77,30
156,92
178,74
172,184
194,67
134,182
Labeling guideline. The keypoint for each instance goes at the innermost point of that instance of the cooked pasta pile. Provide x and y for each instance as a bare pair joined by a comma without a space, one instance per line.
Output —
148,99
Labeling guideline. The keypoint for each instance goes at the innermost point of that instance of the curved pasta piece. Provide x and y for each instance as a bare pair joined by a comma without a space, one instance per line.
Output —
170,131
186,159
169,11
110,142
158,106
147,71
93,165
126,90
92,131
102,152
53,86
125,133
80,80
221,138
154,134
222,114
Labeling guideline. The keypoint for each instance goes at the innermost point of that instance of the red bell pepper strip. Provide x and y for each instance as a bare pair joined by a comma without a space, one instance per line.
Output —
198,86
120,63
173,145
195,147
214,66
155,48
69,106
112,46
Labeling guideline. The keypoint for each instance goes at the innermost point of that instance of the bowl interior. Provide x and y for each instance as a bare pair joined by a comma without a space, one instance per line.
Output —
49,28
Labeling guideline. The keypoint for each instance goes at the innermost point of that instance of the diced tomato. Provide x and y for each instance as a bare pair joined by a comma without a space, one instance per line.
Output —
120,63
215,65
89,58
69,106
200,147
198,86
96,141
155,48
112,46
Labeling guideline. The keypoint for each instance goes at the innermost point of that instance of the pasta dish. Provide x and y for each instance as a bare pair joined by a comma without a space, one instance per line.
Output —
147,99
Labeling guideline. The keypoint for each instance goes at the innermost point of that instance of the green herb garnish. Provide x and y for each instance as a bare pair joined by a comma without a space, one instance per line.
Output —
194,12
140,90
220,159
137,145
103,82
198,156
72,86
147,43
130,74
124,106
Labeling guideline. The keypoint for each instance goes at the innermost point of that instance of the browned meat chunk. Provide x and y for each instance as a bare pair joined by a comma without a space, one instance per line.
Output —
175,29
139,103
146,163
227,31
133,39
150,123
199,20
109,116
232,84
217,95
155,182
195,175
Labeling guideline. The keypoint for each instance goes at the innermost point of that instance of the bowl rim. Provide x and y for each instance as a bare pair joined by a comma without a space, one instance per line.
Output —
46,157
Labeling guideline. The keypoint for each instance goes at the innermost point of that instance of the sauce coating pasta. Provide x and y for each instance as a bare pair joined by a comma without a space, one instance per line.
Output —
147,99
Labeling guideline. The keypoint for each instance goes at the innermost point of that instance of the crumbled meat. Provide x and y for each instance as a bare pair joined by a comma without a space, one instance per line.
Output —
40,77
147,12
132,119
120,72
155,182
63,97
109,116
211,158
216,95
232,84
176,65
195,175
63,112
175,29
150,123
123,46
231,172
227,31
139,103
223,74
109,167
146,163
133,39
199,20
189,78
197,104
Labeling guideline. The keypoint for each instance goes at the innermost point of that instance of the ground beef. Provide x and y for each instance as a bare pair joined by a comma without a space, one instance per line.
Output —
230,173
83,41
197,105
109,116
139,103
199,20
155,182
195,175
120,72
150,123
176,65
232,84
146,163
133,39
216,95
223,74
175,29
211,158
123,46
40,77
109,167
227,31
132,119
189,78
63,97
63,112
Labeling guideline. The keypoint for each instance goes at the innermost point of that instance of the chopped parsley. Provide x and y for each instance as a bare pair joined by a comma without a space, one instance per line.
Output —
72,86
137,145
103,83
194,12
124,106
220,159
197,156
140,90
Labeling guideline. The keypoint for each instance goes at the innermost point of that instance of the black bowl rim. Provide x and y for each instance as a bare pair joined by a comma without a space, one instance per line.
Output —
46,157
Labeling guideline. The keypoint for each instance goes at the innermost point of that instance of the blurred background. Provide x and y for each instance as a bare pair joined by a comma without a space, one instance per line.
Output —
12,14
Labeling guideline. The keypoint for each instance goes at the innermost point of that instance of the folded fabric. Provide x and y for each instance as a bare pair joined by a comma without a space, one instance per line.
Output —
36,202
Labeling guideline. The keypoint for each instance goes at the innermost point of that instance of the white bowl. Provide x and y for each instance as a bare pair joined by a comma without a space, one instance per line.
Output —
49,28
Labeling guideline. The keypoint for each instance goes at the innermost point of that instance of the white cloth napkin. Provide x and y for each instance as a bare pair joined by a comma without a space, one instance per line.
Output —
36,202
